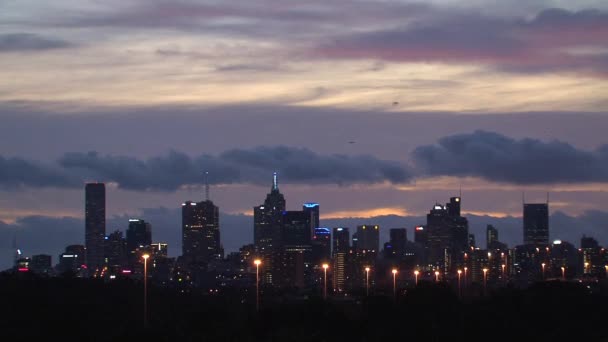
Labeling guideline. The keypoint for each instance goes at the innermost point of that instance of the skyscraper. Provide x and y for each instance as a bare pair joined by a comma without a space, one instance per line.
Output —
395,247
116,250
139,234
367,238
41,264
341,240
340,250
267,229
453,207
321,245
536,224
491,236
314,209
448,235
267,219
95,224
294,256
201,232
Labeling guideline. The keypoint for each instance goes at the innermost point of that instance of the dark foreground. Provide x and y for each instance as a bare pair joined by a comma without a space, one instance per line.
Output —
67,309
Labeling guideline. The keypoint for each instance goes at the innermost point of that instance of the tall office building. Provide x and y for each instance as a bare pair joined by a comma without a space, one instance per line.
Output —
321,245
201,232
421,236
367,238
340,240
340,250
491,236
267,229
267,219
536,224
448,235
293,259
95,224
395,247
139,235
41,264
313,208
453,207
116,254
72,260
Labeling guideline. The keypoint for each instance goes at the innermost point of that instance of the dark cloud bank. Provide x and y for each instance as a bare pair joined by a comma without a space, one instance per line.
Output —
170,171
488,155
49,235
499,158
15,42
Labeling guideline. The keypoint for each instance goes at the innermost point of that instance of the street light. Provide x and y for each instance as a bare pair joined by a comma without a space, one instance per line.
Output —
465,276
436,276
367,281
485,273
543,265
503,266
325,266
257,263
416,272
586,267
394,283
459,273
563,273
145,256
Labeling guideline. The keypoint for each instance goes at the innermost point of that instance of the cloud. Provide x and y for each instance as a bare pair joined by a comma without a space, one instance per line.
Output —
17,42
499,158
175,169
17,172
548,42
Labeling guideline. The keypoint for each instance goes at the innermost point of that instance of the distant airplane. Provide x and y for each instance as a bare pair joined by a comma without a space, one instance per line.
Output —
351,142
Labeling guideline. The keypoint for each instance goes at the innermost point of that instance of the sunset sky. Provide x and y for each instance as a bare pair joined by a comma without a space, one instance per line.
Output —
368,107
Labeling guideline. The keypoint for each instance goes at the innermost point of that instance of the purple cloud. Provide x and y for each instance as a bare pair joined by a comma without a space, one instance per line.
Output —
545,43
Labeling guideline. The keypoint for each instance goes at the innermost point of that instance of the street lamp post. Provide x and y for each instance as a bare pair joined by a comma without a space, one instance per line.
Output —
586,268
145,256
257,263
465,276
503,266
436,276
543,266
485,286
325,266
394,283
367,281
563,273
459,290
416,272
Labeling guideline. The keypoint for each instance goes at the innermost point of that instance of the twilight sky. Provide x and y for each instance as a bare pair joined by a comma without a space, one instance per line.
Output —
368,107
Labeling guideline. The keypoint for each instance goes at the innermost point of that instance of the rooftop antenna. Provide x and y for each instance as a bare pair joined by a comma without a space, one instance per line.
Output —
206,185
460,191
275,181
547,198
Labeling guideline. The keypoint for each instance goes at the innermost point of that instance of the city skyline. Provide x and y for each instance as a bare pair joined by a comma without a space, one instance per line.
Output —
360,97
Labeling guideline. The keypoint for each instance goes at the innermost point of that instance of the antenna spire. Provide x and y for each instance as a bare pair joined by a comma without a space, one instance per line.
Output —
206,185
275,181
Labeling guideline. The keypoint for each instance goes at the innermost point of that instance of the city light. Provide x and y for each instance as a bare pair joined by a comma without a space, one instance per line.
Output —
257,263
325,267
145,256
